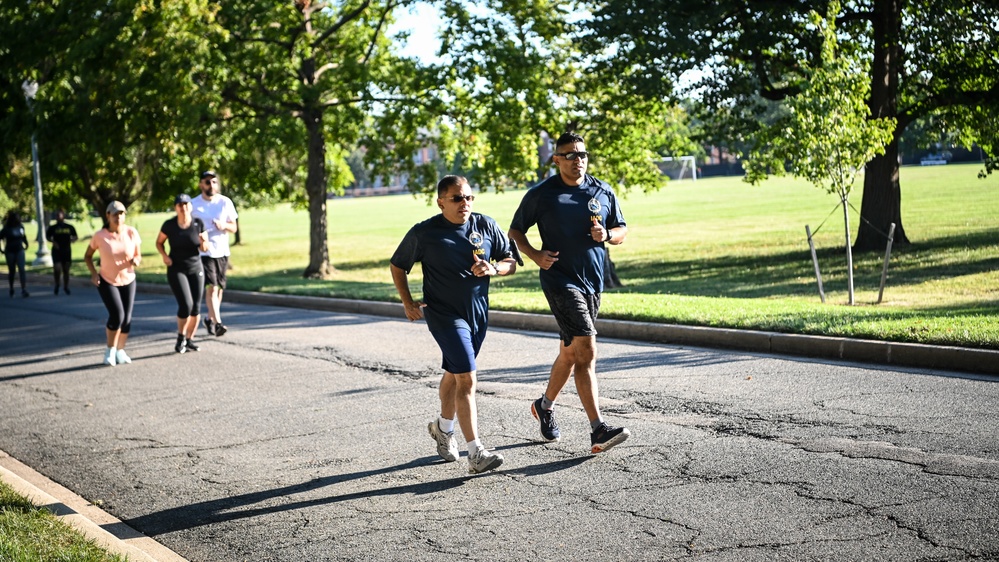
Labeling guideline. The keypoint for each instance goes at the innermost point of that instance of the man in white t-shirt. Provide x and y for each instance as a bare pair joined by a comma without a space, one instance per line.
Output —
219,215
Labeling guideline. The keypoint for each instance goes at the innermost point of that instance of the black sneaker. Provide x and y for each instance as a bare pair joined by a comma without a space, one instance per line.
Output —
220,330
67,291
209,326
549,427
25,294
179,348
606,437
57,289
191,346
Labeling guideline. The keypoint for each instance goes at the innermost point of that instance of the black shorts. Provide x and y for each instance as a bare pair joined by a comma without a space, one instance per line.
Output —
574,312
215,269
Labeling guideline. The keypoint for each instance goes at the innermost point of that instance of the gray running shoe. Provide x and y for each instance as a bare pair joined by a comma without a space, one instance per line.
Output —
447,448
482,461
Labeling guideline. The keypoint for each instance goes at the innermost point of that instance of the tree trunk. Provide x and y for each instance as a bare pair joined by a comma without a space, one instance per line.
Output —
882,199
315,187
611,280
882,203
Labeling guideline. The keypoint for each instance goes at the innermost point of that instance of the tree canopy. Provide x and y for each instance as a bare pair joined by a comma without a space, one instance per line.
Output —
925,57
137,97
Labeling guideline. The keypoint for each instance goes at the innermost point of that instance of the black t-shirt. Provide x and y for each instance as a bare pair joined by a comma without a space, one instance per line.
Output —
452,293
15,240
184,244
61,235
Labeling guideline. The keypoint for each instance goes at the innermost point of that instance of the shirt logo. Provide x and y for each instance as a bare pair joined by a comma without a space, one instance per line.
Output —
594,205
475,238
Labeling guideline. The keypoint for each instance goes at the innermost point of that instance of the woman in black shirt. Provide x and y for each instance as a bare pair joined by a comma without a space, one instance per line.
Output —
187,236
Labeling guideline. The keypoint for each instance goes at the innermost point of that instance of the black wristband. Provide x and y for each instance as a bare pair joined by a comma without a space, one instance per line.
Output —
608,235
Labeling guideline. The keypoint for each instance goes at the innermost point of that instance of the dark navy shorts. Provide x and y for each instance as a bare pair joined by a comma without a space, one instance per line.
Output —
575,313
459,348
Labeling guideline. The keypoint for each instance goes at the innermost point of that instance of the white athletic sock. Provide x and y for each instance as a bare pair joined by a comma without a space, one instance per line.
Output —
445,425
475,446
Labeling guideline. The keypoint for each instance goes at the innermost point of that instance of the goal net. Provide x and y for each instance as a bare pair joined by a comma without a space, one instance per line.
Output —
679,167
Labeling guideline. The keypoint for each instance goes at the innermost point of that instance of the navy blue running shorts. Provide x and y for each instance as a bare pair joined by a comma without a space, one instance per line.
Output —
459,348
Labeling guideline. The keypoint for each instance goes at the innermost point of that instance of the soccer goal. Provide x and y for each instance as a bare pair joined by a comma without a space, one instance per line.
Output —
680,167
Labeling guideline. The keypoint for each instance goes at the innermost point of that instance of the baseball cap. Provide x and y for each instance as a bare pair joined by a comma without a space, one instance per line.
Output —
181,199
209,174
115,207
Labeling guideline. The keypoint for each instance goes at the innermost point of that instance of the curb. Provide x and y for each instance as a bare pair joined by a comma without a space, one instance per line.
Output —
948,358
104,529
971,360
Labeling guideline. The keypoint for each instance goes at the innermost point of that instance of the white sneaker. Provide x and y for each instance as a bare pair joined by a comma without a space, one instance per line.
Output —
121,357
447,448
109,356
482,460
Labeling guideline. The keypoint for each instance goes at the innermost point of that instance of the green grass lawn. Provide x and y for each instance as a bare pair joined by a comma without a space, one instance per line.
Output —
716,252
29,534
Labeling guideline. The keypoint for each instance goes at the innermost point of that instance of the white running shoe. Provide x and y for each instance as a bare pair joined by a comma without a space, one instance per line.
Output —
482,460
122,358
109,356
447,448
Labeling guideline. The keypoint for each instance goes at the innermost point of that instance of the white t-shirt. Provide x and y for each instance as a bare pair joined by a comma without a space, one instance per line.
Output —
220,208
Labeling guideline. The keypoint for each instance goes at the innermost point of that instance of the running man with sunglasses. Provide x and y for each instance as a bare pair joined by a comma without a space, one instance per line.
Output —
576,215
459,251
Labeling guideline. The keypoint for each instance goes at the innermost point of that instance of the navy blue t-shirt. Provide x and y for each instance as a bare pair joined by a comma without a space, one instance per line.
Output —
453,295
564,214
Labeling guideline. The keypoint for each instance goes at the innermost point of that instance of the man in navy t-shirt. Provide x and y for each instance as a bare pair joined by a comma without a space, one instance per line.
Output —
576,215
62,235
459,251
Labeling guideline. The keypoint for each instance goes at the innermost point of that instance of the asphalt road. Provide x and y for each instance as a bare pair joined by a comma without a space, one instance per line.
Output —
301,435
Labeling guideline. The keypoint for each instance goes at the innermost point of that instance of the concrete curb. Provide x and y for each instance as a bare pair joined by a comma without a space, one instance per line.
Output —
949,358
94,523
982,361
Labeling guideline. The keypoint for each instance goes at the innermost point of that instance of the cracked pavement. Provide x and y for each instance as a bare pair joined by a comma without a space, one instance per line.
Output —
302,436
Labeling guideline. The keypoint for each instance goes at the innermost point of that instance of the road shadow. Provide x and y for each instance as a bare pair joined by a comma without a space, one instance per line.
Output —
243,506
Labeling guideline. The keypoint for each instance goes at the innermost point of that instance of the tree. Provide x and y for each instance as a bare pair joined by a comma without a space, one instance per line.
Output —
826,136
326,77
117,99
926,57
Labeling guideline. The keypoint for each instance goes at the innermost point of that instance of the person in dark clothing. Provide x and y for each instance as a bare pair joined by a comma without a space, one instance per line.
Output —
576,215
15,242
185,274
459,251
61,235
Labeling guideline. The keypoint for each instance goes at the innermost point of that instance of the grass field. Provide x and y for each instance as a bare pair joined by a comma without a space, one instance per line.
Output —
716,252
28,534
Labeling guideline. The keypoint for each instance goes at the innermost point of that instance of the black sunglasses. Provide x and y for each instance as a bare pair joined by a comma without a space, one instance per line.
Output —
573,155
460,198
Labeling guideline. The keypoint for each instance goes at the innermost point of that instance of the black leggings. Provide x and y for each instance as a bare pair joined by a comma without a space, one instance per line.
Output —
188,289
118,301
15,261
